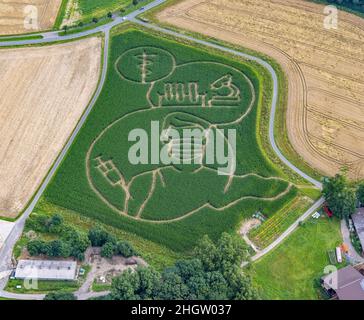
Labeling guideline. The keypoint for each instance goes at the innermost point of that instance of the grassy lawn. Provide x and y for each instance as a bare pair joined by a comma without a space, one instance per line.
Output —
99,287
43,286
290,271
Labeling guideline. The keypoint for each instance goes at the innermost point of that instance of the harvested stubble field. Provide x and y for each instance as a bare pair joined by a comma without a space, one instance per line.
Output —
170,205
325,69
13,13
43,93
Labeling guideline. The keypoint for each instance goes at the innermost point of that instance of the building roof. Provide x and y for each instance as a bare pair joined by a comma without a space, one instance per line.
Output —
358,220
349,285
46,270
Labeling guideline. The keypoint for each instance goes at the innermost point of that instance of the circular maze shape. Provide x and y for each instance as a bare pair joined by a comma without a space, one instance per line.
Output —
145,64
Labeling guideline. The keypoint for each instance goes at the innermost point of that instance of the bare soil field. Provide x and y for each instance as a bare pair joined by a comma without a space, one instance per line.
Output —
43,93
13,13
325,69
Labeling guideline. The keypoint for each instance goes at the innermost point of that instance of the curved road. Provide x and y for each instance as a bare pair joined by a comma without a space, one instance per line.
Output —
49,37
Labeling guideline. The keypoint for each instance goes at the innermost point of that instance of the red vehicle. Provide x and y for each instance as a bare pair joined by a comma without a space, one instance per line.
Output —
328,211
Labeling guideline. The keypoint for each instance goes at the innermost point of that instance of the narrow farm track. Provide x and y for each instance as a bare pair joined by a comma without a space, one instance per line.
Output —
50,37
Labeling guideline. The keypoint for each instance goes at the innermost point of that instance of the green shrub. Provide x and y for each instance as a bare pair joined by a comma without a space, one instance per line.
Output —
60,296
108,250
125,249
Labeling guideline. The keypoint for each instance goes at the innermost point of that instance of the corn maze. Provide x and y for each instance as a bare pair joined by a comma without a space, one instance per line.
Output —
158,85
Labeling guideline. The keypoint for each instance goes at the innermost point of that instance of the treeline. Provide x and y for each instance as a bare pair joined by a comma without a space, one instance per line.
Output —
214,273
342,195
72,242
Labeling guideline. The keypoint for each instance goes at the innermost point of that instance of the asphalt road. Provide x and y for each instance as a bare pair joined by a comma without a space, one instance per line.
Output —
49,37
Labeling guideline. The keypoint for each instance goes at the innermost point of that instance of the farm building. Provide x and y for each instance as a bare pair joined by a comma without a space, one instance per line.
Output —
46,270
358,220
344,284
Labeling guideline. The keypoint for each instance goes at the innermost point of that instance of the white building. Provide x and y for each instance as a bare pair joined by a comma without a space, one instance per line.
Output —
46,270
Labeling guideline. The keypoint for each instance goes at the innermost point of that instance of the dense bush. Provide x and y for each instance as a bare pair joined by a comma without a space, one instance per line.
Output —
99,237
37,247
108,250
78,242
125,249
45,224
60,296
70,243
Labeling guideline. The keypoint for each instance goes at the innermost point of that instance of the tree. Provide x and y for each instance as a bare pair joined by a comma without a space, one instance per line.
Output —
206,251
134,285
198,287
360,193
125,286
218,286
125,249
38,247
108,250
242,288
135,2
78,243
231,252
340,195
60,295
172,287
109,15
189,268
65,28
95,20
58,248
55,223
148,282
98,236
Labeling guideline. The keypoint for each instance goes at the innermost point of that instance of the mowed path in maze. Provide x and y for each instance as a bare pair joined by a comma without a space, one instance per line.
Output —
13,14
325,69
43,93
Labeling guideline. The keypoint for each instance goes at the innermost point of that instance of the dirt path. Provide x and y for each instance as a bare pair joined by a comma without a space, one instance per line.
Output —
325,69
246,227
